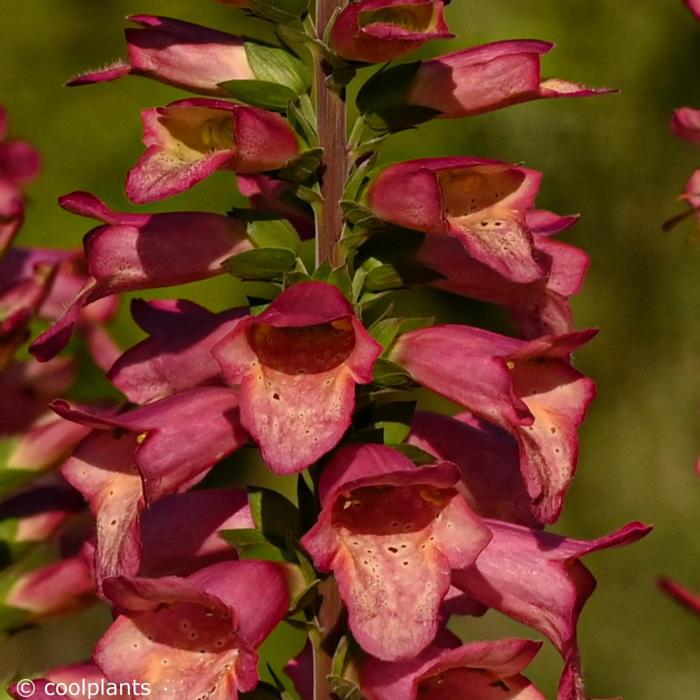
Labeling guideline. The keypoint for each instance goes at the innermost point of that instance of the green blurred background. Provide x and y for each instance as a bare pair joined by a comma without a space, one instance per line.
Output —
610,158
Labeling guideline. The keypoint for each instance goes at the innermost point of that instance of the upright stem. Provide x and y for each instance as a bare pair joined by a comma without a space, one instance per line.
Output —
330,110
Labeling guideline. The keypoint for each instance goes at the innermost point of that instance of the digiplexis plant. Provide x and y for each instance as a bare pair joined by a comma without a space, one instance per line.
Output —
402,518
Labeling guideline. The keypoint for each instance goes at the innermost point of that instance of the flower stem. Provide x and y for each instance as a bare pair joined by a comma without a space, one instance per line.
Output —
331,114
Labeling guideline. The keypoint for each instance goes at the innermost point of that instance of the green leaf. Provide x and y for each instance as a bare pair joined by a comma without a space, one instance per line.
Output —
243,537
385,331
260,93
13,618
276,517
275,65
303,166
387,373
357,214
382,278
274,233
283,11
261,263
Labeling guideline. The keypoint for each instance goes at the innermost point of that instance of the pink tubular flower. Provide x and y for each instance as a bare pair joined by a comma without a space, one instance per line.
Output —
177,354
488,459
169,446
685,124
267,194
391,533
178,53
297,365
19,165
488,77
537,579
193,637
45,688
481,203
538,308
687,598
694,7
39,513
140,251
529,388
372,31
52,589
190,139
447,670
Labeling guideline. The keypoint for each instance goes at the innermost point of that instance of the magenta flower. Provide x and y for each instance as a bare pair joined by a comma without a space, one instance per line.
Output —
536,578
694,7
687,598
39,513
178,53
538,308
45,688
372,31
447,670
528,388
481,203
197,636
685,124
488,77
190,139
276,196
297,365
488,459
176,356
391,533
140,456
53,589
19,165
139,251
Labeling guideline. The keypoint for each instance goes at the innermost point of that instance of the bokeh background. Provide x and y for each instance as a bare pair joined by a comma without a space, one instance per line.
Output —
610,158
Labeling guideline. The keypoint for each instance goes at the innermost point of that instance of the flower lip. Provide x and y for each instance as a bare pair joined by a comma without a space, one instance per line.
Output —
403,19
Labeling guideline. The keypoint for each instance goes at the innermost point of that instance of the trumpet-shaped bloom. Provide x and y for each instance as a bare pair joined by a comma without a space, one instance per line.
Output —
190,139
447,670
481,203
529,388
178,53
19,165
140,251
686,124
391,533
197,636
53,589
85,675
538,308
486,78
39,513
536,578
694,7
140,456
176,356
488,459
297,365
372,31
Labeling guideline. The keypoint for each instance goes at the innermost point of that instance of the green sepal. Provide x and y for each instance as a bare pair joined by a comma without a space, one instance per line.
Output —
274,233
385,330
12,618
387,373
303,166
343,686
274,65
260,263
260,93
281,11
357,214
386,277
382,99
339,277
275,516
